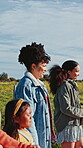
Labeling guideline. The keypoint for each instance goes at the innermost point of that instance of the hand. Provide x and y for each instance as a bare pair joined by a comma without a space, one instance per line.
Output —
53,139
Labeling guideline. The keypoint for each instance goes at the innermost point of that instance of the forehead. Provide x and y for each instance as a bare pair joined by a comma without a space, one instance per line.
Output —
77,68
27,110
42,64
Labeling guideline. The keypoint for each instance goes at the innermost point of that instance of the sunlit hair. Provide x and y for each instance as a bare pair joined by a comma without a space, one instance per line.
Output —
56,77
11,126
33,54
69,65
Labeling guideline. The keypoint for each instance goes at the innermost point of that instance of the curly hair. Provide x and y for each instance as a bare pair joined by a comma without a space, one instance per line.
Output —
33,53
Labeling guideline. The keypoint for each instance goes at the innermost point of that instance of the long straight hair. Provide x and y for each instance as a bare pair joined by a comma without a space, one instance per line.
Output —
11,126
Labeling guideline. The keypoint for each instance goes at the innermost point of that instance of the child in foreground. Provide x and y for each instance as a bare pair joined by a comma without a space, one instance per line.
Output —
17,119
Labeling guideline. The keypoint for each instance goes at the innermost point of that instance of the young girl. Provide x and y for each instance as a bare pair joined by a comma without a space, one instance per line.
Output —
17,119
68,113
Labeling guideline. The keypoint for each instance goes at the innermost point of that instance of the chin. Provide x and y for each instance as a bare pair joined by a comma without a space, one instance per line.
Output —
75,78
42,76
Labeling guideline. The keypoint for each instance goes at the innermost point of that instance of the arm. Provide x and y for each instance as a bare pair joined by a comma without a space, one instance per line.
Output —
65,101
6,141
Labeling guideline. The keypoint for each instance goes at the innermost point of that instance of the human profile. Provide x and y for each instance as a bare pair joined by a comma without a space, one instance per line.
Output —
32,89
17,119
68,116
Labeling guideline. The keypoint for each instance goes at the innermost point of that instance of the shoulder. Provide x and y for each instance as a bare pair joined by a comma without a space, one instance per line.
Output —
25,136
25,81
65,86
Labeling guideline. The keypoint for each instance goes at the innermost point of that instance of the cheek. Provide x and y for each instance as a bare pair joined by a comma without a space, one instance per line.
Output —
77,73
25,121
40,69
28,122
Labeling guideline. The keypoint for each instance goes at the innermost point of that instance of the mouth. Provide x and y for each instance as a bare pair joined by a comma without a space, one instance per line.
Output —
30,122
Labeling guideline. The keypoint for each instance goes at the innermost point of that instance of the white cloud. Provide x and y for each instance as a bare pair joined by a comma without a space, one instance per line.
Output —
56,24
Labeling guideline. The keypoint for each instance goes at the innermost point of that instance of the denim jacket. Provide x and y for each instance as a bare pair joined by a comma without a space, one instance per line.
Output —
34,91
67,106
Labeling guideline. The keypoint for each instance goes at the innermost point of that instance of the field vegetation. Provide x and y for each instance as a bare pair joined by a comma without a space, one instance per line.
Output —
7,94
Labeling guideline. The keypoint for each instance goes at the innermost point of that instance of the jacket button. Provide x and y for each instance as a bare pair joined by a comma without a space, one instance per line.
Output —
47,140
46,113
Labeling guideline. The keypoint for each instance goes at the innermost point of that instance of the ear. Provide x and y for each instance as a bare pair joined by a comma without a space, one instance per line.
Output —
69,72
16,119
33,66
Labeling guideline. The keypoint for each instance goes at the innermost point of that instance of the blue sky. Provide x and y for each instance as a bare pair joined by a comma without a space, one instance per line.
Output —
58,24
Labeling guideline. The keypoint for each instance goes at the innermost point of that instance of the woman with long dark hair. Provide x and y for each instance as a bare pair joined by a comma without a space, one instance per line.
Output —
68,116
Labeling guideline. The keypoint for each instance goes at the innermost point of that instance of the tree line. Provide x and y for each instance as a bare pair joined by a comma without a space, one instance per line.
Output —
4,78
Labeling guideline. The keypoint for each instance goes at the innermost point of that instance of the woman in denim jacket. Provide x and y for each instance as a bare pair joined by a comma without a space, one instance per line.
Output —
30,88
68,115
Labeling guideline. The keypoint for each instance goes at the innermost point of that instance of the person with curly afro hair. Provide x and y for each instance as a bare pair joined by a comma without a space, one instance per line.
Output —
33,90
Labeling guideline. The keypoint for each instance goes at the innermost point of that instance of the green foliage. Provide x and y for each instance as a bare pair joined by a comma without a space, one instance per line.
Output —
6,94
12,79
3,76
80,86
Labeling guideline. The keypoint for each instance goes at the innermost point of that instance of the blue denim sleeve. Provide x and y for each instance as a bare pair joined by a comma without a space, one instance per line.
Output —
29,95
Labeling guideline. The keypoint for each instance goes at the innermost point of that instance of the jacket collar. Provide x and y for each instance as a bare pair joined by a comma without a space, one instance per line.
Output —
36,82
72,82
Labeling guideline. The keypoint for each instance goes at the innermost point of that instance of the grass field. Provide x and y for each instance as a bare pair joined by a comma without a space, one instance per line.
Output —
6,94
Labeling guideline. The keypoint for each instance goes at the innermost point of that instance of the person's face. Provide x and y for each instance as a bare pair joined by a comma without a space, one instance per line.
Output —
74,73
39,70
25,119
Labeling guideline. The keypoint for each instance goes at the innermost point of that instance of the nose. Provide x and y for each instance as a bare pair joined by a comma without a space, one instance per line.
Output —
31,117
